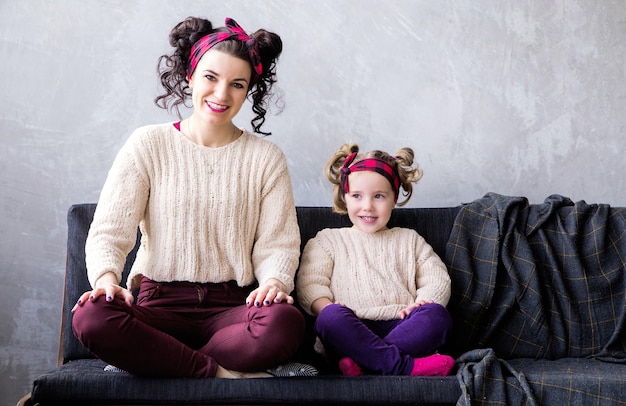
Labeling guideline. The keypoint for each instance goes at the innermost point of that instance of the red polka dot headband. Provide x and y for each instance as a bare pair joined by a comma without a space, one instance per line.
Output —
233,31
369,164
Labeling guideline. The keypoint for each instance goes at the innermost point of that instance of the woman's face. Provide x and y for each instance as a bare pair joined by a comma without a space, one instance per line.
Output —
219,86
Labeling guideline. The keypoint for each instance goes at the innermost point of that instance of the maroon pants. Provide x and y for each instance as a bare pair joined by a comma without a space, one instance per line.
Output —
186,329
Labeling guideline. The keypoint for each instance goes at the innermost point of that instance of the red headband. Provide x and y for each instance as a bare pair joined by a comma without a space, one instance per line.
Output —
370,164
234,31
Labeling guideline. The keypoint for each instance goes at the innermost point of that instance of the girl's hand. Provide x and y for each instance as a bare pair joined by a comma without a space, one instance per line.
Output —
105,285
402,314
273,291
319,304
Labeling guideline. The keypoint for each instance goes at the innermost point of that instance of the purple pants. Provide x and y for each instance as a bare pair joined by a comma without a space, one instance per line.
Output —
384,347
186,329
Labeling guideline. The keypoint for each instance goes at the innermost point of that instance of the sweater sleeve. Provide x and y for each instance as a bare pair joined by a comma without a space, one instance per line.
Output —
276,250
314,275
122,202
432,279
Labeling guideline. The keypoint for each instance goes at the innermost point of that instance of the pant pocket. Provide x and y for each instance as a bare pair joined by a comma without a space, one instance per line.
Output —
148,290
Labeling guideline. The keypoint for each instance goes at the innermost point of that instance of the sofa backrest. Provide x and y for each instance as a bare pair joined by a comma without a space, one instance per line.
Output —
434,224
79,219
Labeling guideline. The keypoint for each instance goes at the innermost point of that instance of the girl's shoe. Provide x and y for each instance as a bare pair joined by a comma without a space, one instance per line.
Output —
433,365
349,368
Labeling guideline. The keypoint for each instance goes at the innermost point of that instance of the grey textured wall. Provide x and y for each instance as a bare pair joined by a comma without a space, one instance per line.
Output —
516,97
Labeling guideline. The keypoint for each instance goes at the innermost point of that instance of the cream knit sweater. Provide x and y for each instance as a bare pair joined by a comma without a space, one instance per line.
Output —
376,275
206,214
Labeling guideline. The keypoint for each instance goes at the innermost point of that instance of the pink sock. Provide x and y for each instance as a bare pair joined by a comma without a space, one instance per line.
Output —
433,365
349,368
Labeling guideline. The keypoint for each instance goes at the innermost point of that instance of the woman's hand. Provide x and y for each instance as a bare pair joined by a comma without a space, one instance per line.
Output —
406,311
273,291
105,285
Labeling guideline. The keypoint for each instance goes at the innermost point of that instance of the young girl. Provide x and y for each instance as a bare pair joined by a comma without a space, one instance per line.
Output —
220,241
379,294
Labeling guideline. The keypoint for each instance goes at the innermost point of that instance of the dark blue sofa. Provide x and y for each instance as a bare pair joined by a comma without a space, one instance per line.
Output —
497,363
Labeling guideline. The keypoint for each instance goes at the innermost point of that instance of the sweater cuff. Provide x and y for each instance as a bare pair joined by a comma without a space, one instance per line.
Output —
279,271
93,277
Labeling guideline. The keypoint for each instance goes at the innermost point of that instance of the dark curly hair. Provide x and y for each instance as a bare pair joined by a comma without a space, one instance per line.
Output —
172,68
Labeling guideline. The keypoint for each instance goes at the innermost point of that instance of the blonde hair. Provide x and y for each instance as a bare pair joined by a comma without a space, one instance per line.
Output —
402,162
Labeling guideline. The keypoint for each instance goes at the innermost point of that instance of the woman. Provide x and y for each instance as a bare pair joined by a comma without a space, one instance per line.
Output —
220,240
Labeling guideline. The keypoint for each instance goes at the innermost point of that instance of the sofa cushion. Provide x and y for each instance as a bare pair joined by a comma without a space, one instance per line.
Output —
574,381
526,381
83,382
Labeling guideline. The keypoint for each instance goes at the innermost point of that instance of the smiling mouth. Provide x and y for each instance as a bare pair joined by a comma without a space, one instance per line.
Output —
216,107
368,219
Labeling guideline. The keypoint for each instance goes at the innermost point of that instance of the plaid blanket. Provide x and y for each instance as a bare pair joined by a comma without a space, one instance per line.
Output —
539,281
544,282
487,380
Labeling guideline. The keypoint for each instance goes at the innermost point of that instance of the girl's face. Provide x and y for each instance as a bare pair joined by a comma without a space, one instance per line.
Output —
370,201
219,86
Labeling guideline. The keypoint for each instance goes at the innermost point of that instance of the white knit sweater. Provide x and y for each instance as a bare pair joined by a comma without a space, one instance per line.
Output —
376,275
206,214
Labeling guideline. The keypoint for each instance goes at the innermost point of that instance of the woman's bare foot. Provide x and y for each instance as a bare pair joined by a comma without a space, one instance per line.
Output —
228,374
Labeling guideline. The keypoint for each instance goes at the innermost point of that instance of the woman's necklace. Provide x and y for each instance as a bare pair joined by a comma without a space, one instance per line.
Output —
193,138
188,132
